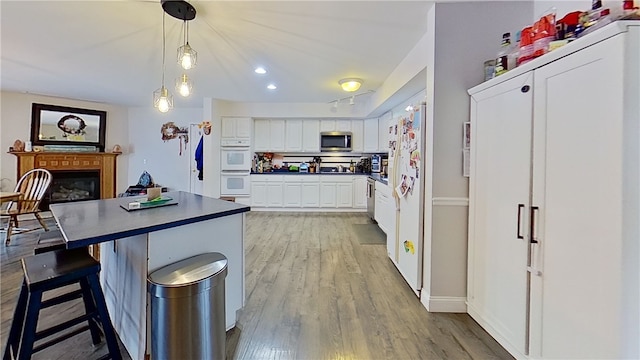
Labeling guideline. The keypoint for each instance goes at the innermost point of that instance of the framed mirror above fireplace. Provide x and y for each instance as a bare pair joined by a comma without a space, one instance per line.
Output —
63,125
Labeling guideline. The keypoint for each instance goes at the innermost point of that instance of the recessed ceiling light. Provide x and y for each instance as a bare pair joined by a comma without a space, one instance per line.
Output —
260,70
271,87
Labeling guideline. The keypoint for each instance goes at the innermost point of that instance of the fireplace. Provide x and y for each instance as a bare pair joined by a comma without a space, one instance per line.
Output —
67,186
76,176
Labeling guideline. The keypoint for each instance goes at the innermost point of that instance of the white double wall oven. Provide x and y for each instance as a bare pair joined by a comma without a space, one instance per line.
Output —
235,156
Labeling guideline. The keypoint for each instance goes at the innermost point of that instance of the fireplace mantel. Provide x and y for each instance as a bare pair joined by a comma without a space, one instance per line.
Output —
76,161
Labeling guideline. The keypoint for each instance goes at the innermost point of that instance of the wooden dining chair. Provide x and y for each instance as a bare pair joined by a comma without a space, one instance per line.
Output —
32,186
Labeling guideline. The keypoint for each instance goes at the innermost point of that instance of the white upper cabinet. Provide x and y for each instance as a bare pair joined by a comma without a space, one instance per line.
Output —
262,131
343,125
357,140
311,135
243,127
383,134
277,133
235,128
293,137
327,125
335,125
370,135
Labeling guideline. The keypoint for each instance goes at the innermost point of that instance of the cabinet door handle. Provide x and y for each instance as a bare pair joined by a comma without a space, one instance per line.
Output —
520,207
534,225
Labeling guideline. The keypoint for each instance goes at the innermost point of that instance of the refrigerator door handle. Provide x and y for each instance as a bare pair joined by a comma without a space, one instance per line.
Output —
534,224
520,208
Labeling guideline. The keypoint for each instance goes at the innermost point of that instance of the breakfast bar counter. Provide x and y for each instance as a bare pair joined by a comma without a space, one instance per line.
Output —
135,243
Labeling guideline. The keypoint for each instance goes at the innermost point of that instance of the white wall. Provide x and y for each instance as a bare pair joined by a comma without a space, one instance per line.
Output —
564,7
15,123
162,159
454,65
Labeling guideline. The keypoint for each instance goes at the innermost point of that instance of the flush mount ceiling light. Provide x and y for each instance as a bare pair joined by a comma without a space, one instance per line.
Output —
162,99
350,84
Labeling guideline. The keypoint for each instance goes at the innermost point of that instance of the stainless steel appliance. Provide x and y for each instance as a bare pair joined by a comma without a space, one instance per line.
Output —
335,141
376,163
371,197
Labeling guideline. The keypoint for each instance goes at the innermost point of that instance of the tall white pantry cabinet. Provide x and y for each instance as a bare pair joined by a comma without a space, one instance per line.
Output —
554,201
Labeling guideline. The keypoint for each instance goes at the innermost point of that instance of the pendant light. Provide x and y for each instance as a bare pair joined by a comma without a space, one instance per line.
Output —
184,85
162,99
187,57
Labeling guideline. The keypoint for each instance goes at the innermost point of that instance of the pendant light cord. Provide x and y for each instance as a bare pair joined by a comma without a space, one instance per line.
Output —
163,48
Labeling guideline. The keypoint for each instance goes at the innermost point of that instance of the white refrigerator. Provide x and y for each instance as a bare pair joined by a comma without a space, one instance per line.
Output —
406,179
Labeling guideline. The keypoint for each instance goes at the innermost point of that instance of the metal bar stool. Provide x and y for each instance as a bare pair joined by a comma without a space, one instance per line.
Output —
51,270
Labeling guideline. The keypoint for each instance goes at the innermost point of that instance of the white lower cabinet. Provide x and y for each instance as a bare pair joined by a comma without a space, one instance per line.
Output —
292,194
328,195
344,194
382,210
311,193
360,192
267,190
301,191
308,191
554,202
258,193
275,191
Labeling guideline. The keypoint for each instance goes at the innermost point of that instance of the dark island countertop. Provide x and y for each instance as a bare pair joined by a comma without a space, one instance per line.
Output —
91,222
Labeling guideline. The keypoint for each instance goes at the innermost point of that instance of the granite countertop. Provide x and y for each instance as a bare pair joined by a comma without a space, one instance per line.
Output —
377,177
90,222
304,173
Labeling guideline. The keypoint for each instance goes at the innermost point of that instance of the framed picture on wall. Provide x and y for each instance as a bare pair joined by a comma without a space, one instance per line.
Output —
466,135
62,125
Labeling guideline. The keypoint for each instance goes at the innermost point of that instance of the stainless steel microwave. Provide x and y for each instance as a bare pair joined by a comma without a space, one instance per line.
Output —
335,141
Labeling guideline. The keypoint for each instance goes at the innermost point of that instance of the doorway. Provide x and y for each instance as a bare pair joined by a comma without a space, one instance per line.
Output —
195,184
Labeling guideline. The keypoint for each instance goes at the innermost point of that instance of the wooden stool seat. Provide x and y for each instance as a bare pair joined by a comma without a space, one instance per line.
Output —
52,270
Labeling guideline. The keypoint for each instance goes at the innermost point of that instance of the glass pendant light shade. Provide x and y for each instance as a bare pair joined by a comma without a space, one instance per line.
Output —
162,100
187,57
184,85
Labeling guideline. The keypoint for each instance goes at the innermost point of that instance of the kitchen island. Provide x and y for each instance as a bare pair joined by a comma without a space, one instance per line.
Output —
136,243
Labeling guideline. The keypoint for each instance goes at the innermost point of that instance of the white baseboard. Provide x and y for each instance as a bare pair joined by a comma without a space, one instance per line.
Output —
446,304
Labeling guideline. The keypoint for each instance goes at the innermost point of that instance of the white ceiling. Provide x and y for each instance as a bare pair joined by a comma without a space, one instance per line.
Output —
110,51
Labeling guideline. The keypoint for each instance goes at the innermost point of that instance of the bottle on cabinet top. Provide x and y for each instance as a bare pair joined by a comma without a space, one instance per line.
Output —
506,57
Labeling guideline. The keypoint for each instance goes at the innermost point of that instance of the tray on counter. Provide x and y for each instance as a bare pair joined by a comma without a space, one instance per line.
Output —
145,204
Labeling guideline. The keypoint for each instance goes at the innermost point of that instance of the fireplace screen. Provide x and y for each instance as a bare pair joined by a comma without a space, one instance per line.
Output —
69,186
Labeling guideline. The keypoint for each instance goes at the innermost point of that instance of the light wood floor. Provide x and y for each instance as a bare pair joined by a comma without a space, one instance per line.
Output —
312,292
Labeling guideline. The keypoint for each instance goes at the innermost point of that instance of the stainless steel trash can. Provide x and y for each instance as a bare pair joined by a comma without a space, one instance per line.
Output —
188,309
